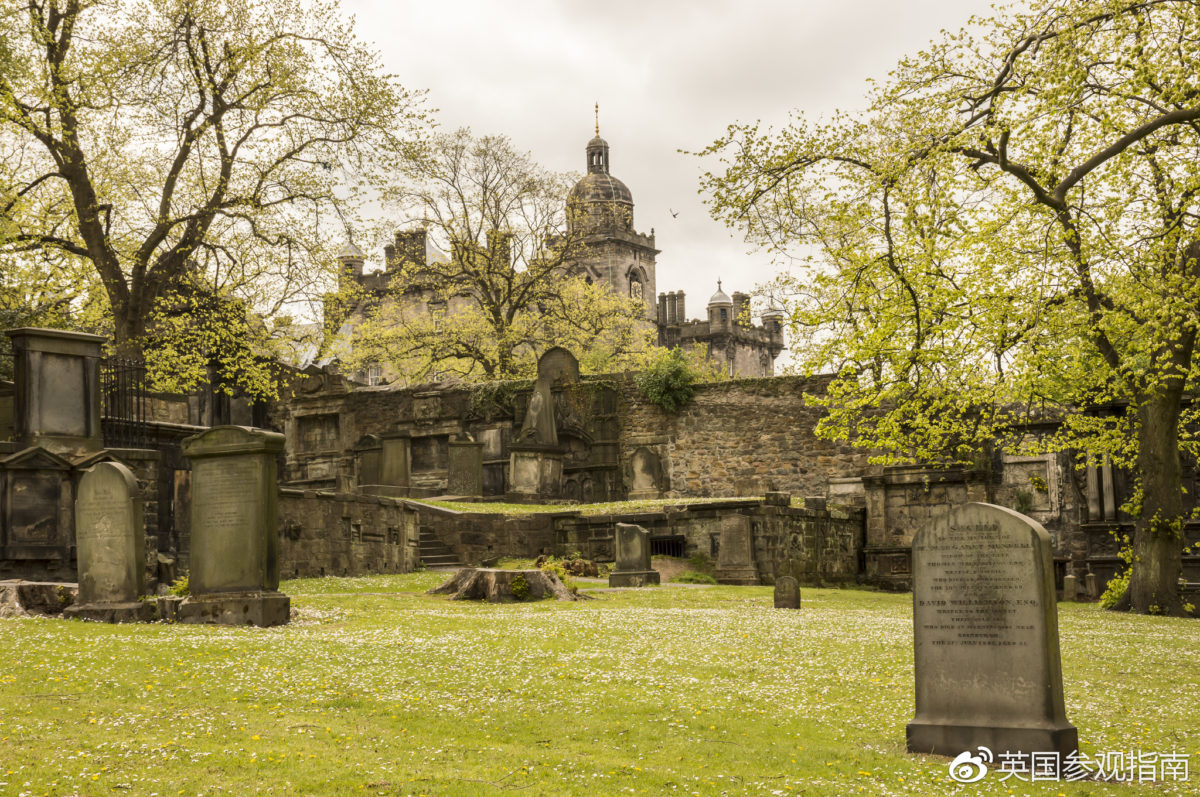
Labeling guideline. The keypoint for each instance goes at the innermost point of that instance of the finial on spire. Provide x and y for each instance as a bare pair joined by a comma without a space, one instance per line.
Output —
718,283
597,118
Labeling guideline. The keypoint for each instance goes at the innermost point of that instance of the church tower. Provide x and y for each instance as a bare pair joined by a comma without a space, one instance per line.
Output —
600,213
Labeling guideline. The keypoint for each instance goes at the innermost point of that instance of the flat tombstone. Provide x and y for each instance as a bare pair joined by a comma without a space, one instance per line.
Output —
234,558
787,593
633,558
985,631
111,540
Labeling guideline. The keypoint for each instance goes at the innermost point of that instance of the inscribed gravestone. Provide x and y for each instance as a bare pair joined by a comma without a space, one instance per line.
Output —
985,631
735,555
633,568
787,592
111,542
234,558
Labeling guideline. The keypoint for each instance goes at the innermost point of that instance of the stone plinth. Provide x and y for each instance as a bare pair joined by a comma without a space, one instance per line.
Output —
234,528
735,557
465,468
534,473
632,569
111,539
985,631
56,401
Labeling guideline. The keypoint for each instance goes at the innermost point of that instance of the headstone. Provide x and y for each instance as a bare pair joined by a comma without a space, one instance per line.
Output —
646,472
633,558
535,458
395,466
234,529
985,631
787,592
57,389
465,472
735,554
1093,590
1070,587
369,455
111,539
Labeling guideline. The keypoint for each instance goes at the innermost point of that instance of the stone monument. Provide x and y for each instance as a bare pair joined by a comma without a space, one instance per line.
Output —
465,468
985,631
536,460
111,538
735,556
56,400
234,536
633,558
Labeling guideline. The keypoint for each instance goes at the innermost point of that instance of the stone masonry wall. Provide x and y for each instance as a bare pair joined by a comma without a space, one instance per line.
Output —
330,534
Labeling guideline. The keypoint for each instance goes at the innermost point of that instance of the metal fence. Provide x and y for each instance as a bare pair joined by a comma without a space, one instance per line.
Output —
123,402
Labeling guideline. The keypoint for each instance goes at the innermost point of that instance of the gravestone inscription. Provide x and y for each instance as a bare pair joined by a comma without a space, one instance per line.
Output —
111,542
985,632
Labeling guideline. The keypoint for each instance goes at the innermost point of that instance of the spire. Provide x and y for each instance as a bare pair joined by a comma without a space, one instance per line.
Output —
597,118
597,150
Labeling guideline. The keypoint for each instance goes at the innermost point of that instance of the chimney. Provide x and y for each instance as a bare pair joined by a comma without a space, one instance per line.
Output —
680,311
662,308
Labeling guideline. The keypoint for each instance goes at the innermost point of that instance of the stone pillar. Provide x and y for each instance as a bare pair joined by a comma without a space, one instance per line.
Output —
465,468
111,538
56,403
234,558
735,558
633,558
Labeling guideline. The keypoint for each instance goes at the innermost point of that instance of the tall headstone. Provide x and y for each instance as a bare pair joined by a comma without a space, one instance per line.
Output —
111,540
56,401
465,468
535,466
985,630
633,568
234,576
735,556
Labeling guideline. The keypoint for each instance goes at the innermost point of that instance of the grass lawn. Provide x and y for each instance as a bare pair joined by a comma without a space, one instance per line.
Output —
376,688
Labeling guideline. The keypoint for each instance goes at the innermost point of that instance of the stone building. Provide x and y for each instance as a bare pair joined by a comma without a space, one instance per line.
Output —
612,252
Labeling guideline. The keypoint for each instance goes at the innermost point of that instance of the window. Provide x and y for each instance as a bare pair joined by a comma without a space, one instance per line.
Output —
724,314
374,374
635,289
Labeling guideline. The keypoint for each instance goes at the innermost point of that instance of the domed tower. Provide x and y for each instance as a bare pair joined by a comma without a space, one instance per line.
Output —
600,217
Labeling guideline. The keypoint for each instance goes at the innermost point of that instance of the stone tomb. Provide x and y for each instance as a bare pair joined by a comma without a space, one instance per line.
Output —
110,536
234,559
633,558
735,556
985,630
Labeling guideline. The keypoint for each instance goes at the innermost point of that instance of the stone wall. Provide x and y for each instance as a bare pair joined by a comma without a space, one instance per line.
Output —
332,534
479,537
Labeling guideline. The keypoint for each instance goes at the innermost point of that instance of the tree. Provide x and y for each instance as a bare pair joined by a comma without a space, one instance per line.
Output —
1008,232
502,286
203,141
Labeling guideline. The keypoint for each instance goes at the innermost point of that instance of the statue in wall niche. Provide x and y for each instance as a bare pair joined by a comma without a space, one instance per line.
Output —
538,428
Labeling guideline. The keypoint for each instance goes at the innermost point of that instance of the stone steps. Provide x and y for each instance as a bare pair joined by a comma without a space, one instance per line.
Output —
434,553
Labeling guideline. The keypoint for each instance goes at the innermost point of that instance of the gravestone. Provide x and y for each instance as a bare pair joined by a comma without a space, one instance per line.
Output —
646,472
234,529
368,453
735,554
535,467
633,558
1070,588
1093,590
787,592
395,463
110,536
985,632
56,400
465,471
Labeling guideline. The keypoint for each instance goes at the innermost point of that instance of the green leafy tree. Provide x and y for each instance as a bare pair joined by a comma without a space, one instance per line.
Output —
503,285
1008,232
154,139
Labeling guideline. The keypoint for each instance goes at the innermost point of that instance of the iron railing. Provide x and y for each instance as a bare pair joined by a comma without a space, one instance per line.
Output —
123,402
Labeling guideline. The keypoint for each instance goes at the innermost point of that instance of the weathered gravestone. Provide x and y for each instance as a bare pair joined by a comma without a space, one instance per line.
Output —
787,592
1070,587
234,559
465,471
735,556
633,558
985,630
111,541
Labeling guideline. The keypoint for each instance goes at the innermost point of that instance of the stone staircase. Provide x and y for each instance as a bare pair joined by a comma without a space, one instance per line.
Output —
434,553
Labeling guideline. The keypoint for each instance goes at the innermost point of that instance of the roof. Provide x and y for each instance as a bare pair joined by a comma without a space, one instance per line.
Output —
600,187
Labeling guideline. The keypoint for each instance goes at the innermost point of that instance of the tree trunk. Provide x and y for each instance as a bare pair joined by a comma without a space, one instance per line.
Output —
496,586
1158,534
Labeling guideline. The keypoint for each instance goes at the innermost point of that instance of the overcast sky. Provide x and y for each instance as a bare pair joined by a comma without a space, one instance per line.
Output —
668,75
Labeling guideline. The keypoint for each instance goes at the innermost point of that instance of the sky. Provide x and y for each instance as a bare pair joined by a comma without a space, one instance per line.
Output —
668,75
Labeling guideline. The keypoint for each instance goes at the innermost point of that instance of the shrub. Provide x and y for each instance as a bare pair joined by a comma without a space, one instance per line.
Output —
1120,582
180,587
668,381
520,587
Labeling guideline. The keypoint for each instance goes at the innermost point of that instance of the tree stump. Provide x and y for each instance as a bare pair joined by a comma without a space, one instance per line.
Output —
496,586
